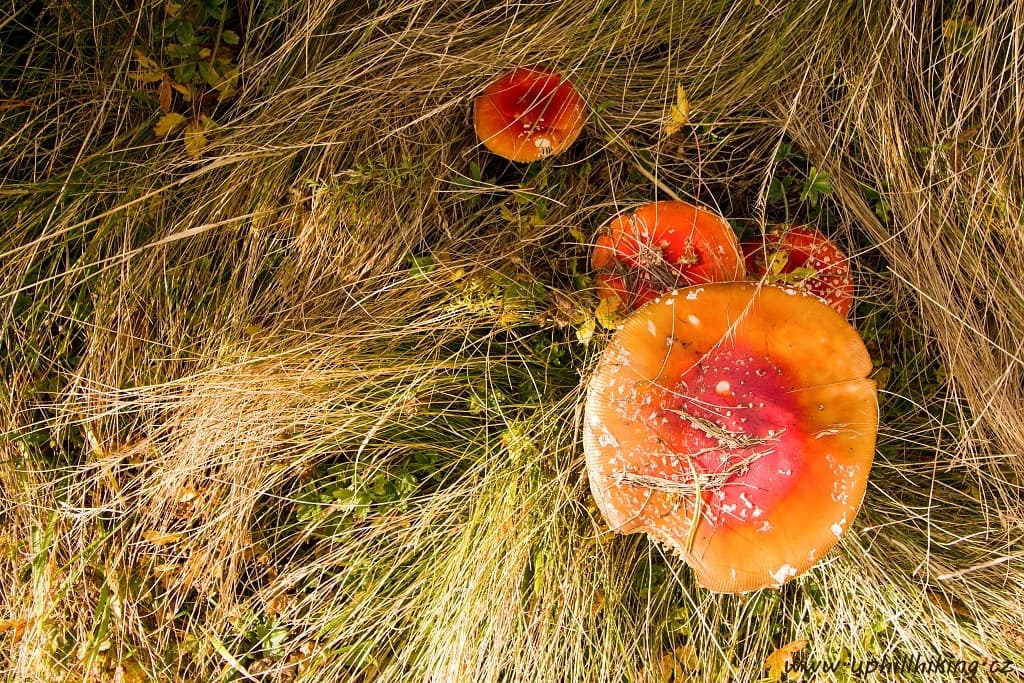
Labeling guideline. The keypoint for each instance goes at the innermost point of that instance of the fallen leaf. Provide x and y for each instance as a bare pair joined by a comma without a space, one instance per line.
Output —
186,494
599,602
129,671
777,661
149,71
167,124
607,312
228,87
675,666
183,90
679,115
159,538
585,331
15,625
195,140
163,94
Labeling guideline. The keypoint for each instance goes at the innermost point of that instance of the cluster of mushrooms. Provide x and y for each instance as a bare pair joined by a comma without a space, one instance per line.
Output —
731,416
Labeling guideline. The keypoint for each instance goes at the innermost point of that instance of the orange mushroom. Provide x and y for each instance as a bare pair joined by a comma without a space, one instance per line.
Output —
660,246
735,423
529,114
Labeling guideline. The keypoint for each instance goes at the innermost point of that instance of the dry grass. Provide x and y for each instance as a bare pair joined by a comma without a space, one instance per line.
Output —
247,437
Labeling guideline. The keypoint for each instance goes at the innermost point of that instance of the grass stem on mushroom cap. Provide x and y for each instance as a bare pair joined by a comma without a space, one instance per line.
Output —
656,247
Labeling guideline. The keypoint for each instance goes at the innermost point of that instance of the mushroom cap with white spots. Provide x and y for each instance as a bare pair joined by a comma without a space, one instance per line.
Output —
806,248
528,114
758,423
653,248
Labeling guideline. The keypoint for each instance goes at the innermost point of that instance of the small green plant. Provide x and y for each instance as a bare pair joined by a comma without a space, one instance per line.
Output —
816,185
196,71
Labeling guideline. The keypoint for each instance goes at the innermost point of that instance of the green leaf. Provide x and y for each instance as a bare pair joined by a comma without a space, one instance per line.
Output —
170,27
817,185
209,74
184,73
229,37
185,33
421,265
179,51
803,273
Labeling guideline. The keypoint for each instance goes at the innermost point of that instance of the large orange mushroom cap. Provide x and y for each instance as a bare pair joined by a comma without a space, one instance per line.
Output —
660,246
529,114
735,423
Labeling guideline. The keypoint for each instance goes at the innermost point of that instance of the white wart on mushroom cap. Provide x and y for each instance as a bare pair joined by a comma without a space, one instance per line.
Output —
742,408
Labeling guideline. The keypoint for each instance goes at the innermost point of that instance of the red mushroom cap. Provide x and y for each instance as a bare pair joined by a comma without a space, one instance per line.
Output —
529,114
736,424
660,246
803,248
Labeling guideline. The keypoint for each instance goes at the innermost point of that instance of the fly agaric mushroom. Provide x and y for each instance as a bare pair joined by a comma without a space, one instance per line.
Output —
803,258
528,114
734,423
660,246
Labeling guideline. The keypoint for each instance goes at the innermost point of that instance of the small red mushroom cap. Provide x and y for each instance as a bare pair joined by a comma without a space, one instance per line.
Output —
735,423
661,246
529,114
785,252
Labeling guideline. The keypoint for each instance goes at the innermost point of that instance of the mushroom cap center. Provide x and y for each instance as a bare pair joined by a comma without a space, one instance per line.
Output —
536,104
733,417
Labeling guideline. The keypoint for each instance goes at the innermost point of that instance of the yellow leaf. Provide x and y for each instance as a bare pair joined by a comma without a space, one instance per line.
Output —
687,656
195,140
16,625
183,89
777,661
675,666
679,115
585,331
599,602
607,312
187,494
159,538
682,107
163,94
149,71
167,124
129,671
145,77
